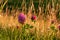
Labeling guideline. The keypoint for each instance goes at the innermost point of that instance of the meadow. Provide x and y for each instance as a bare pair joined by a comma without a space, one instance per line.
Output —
40,24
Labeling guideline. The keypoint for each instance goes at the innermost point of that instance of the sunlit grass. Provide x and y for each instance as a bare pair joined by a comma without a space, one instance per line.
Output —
41,29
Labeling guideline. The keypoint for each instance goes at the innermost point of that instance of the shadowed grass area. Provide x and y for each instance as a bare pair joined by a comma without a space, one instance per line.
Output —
26,32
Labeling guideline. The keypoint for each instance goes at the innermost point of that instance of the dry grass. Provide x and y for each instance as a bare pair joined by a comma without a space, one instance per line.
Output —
40,23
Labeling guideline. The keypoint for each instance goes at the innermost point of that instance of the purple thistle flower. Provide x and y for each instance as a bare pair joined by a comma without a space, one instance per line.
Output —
52,22
59,27
33,17
21,18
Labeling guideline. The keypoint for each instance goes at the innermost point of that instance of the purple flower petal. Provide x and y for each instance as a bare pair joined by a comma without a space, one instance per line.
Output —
21,18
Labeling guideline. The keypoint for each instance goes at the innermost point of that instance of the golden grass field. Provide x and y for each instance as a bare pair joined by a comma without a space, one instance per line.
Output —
42,26
40,23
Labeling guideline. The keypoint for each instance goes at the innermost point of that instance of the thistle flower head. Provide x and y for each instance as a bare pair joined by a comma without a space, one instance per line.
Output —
52,22
33,17
59,27
21,18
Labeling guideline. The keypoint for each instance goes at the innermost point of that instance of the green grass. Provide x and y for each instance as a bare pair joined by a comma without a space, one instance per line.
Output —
25,33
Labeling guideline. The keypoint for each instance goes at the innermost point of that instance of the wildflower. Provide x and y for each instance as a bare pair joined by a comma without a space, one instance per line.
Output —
59,27
52,22
21,18
33,17
17,27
